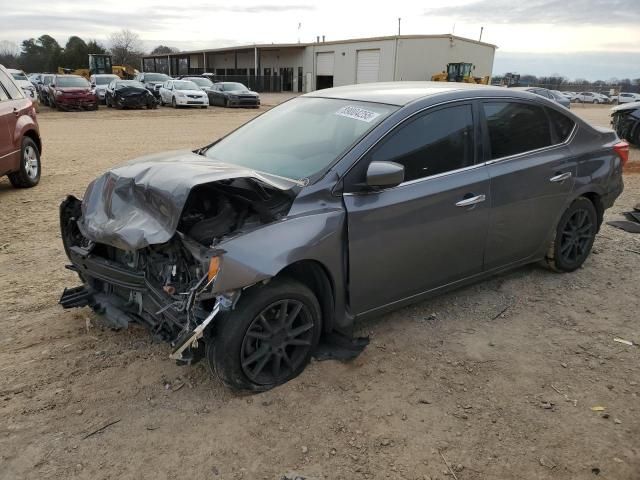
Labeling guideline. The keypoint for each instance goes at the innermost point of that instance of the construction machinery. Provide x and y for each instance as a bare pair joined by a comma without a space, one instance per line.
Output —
100,63
459,72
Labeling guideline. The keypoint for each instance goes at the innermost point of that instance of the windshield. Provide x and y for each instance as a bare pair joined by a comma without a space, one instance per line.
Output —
155,77
201,82
129,83
71,82
185,85
105,79
301,137
19,76
231,86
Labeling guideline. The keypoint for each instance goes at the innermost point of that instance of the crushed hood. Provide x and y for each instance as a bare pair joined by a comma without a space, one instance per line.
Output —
626,106
140,203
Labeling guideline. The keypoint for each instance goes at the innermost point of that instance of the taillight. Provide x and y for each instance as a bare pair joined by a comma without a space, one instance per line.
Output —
622,149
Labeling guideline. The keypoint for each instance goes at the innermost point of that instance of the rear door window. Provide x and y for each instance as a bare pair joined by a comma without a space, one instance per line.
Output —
515,127
433,143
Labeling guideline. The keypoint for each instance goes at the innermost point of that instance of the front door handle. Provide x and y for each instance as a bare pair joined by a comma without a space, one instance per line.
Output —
471,201
16,112
560,177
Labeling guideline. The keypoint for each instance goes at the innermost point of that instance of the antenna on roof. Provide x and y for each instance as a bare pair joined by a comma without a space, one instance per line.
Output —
481,29
399,20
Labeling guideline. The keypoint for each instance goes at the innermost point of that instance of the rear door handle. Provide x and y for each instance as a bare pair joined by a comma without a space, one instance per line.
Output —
560,177
471,201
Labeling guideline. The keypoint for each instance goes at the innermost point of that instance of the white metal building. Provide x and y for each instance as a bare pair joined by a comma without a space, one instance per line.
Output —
303,67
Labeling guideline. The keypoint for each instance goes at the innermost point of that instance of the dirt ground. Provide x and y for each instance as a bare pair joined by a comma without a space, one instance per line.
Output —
500,378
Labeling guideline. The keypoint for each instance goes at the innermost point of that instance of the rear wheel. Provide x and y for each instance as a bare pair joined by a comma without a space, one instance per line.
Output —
575,234
268,339
173,102
29,173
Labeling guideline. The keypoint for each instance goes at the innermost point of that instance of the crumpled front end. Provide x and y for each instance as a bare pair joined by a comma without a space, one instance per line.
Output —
625,120
146,253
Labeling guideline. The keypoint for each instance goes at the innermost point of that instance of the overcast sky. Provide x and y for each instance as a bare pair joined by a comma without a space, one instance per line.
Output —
578,38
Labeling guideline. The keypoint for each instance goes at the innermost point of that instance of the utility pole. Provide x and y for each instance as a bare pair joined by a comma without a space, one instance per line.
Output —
399,19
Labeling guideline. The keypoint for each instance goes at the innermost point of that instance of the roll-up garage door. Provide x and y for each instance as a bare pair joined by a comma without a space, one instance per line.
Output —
324,63
368,69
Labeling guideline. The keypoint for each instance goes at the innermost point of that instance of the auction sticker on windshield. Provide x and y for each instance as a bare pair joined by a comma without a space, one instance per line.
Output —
357,113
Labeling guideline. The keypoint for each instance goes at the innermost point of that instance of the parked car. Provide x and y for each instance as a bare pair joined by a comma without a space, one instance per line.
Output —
43,90
152,81
590,97
625,119
68,92
20,78
129,94
233,94
20,144
625,97
546,93
335,206
99,83
203,83
182,93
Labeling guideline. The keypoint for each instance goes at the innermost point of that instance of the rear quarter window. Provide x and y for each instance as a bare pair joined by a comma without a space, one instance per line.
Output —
562,125
11,88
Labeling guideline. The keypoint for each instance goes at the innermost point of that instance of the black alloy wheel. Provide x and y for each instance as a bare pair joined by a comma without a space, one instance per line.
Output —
268,338
575,235
277,342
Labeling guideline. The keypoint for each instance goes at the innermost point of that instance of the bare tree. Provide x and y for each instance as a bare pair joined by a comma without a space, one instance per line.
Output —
9,53
9,48
126,48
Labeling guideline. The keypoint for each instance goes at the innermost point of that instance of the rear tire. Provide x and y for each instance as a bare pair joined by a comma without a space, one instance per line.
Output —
173,102
574,237
269,337
29,173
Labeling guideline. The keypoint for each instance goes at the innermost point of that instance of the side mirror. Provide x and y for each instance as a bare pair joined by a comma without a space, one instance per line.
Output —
385,174
93,85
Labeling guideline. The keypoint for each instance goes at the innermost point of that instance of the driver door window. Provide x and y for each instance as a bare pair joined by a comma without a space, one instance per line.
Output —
431,144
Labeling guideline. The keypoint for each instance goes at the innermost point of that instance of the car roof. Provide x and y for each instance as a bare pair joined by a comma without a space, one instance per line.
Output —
402,93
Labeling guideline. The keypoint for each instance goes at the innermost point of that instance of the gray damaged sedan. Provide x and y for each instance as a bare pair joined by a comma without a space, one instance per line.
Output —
262,249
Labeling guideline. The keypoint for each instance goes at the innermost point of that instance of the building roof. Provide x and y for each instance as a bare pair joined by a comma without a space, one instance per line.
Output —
401,93
304,45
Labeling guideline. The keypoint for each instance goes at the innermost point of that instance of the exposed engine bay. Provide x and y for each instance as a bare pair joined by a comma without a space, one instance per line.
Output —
168,287
625,120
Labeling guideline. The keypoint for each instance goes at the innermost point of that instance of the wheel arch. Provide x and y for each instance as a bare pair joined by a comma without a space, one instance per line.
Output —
596,200
317,278
33,135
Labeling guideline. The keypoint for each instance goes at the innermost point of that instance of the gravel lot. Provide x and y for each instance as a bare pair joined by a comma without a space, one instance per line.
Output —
498,378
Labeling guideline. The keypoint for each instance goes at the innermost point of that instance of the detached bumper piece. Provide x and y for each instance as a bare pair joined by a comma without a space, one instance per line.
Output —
76,297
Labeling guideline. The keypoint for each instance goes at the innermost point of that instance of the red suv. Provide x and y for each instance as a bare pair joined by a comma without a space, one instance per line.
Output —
20,144
71,91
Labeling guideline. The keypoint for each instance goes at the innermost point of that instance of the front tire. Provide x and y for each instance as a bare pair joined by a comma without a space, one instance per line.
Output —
269,337
575,234
173,102
29,173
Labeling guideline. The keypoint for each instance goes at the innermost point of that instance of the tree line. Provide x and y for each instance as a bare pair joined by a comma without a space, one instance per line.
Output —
559,82
45,54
